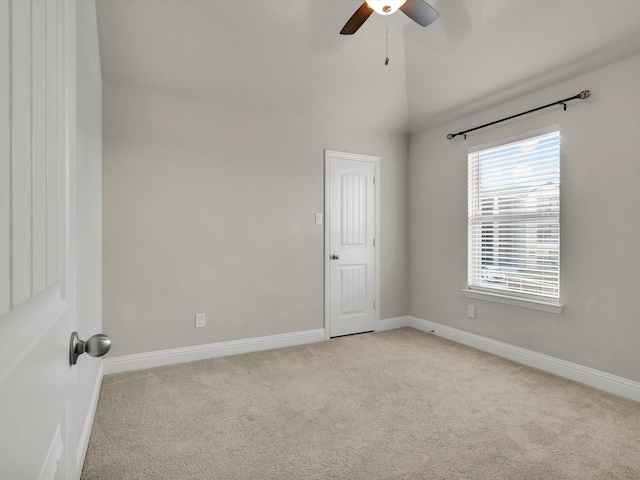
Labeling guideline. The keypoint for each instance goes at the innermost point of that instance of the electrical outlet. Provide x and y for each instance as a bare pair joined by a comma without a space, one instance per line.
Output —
200,320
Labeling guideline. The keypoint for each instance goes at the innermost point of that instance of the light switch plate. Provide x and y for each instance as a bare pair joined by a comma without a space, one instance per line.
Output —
318,218
471,311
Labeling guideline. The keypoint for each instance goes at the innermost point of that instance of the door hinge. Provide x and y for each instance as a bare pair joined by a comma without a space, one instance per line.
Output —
374,180
374,304
374,242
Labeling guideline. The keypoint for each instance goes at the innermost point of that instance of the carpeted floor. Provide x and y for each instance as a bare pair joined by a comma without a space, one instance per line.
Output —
401,404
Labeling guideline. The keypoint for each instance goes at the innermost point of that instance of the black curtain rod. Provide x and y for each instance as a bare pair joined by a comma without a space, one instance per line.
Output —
582,95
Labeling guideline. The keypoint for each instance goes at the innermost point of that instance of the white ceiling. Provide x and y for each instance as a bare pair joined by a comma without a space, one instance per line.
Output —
287,55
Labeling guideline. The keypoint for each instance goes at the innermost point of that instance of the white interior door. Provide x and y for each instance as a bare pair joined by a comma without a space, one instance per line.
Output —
351,260
37,243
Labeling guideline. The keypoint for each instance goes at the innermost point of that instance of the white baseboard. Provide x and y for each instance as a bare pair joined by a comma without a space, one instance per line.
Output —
393,323
83,442
139,361
588,376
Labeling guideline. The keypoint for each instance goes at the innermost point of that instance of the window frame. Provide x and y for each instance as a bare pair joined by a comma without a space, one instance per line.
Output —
504,295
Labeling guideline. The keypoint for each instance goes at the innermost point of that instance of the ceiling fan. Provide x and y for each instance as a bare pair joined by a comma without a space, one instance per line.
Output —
417,10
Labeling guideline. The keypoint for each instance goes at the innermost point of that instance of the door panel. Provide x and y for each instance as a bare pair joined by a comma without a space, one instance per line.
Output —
5,159
354,210
353,283
39,146
20,67
351,237
34,388
55,149
36,317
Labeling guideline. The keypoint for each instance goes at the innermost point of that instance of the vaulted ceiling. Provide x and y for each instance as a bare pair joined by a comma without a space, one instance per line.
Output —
287,55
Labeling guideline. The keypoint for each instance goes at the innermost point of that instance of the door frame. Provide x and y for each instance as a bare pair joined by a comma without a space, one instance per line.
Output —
328,156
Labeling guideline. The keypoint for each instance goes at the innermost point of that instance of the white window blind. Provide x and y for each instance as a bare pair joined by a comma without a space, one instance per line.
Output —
514,218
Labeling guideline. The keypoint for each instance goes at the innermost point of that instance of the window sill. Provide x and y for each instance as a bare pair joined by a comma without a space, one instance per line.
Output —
515,301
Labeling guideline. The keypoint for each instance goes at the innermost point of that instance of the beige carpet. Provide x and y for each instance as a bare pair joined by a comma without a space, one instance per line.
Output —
394,405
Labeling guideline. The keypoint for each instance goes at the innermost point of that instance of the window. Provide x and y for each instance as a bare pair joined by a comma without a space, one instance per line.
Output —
514,219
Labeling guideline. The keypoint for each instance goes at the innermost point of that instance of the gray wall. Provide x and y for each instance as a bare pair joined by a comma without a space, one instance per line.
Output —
209,208
600,224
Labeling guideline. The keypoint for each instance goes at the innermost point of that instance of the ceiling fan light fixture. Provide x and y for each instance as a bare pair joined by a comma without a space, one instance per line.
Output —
385,7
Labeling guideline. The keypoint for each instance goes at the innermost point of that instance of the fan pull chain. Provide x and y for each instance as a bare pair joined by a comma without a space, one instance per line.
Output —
386,61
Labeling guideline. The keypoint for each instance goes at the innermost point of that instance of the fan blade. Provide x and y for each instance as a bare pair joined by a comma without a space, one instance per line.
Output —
420,12
356,20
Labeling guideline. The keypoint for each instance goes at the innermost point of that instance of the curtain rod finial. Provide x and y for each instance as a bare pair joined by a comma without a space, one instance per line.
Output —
450,136
585,94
